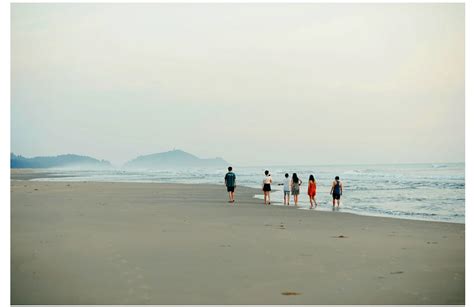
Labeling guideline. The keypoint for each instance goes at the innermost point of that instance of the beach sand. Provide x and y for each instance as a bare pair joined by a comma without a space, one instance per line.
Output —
148,243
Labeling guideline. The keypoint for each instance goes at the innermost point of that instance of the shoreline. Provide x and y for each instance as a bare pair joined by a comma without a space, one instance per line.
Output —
329,209
29,174
280,203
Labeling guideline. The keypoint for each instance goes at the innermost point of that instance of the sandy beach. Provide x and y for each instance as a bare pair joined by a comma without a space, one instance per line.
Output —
148,243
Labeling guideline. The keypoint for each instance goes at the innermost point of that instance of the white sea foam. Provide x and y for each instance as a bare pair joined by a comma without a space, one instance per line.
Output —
412,191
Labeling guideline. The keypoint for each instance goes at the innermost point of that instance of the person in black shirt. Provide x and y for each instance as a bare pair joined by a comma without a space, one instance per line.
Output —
229,180
336,191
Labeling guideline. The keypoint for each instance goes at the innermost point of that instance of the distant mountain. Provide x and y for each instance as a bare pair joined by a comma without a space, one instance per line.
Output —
68,161
173,159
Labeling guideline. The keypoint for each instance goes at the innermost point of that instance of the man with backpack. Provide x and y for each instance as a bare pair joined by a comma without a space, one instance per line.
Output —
336,191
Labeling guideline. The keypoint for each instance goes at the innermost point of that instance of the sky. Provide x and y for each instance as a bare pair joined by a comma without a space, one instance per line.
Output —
255,84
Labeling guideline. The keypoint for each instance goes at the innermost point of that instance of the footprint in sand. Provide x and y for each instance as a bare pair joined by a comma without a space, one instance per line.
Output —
125,273
138,290
145,298
397,272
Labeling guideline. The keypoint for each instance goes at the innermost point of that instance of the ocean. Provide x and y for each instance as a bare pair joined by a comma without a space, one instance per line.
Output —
433,192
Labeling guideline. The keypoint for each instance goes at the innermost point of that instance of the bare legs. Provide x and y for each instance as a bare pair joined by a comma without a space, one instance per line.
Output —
231,197
295,198
286,199
312,201
266,195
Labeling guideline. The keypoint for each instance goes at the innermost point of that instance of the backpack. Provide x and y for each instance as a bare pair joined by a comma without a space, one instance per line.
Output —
337,188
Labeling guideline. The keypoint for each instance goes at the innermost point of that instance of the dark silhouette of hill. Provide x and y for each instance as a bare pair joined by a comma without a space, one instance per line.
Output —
61,161
173,159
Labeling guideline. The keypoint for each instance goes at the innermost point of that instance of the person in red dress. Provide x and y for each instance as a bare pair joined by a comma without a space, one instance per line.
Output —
312,191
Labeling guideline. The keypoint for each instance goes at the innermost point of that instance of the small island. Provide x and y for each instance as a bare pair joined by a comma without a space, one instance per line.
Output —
173,159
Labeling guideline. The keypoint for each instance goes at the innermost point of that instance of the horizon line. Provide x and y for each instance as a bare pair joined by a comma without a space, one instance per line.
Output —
253,165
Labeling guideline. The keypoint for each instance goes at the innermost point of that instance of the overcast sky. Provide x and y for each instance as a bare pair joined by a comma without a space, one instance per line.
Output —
256,84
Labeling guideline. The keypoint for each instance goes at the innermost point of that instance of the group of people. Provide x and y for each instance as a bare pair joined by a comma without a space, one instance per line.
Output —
290,186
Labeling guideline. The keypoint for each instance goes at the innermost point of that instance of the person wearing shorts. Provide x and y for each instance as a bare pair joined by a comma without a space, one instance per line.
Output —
229,180
295,187
267,187
336,192
286,189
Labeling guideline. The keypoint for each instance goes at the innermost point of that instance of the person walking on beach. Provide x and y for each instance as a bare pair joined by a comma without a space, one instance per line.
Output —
336,191
229,180
312,191
295,187
286,189
267,181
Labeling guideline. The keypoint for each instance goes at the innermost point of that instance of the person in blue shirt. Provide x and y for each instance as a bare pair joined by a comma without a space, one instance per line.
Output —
229,180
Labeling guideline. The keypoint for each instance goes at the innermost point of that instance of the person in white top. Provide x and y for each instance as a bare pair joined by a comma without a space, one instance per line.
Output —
267,181
286,189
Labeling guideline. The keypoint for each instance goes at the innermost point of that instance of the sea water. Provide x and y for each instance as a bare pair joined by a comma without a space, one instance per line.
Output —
432,192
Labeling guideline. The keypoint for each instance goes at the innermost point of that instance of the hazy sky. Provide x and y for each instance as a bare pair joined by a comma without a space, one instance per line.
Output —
256,84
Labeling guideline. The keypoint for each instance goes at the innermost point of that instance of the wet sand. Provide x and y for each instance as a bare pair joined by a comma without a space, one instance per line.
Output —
138,243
